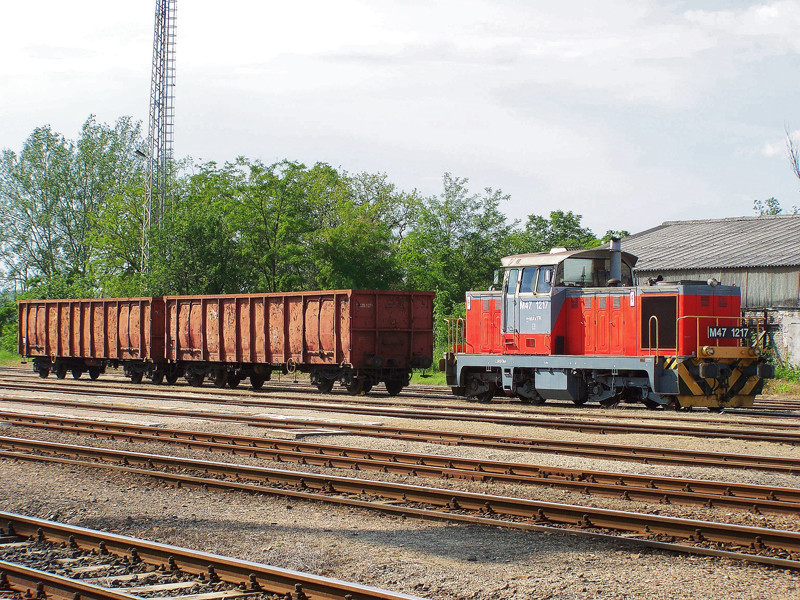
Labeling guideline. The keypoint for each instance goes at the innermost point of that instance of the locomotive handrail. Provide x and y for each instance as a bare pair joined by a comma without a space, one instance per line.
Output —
650,335
455,334
759,334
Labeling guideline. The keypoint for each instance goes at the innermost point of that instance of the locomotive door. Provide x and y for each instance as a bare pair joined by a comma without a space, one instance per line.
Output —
588,324
510,312
616,329
602,325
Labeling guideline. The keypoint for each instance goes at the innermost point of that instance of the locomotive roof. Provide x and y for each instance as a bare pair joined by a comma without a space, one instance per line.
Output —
558,255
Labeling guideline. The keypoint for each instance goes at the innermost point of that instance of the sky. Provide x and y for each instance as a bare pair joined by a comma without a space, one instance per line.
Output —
628,113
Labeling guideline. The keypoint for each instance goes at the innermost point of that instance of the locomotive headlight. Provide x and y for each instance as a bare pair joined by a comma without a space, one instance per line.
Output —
708,350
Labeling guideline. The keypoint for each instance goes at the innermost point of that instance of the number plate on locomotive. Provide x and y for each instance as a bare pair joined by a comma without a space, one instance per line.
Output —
730,333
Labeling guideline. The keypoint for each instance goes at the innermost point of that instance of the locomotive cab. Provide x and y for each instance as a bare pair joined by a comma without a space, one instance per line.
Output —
571,325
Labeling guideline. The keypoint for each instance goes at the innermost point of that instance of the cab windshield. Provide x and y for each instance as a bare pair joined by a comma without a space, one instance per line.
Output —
589,272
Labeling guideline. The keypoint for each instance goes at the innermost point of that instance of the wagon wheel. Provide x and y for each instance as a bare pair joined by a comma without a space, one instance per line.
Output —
157,377
195,379
172,377
368,386
257,381
94,373
43,373
137,377
60,371
716,409
220,378
234,381
394,386
355,387
324,386
76,373
458,390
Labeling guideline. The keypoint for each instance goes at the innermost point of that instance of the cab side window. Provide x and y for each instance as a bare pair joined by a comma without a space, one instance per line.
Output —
528,283
511,281
545,279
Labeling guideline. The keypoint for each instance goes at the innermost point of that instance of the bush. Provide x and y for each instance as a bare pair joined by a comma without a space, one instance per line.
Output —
790,373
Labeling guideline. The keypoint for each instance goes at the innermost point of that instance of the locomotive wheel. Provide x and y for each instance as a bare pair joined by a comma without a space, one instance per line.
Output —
716,409
158,377
651,404
394,386
324,386
486,395
76,373
458,391
137,377
43,373
220,378
478,390
536,400
257,381
234,381
196,379
60,371
94,373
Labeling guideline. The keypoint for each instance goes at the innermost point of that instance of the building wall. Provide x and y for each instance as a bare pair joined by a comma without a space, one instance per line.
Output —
789,342
776,287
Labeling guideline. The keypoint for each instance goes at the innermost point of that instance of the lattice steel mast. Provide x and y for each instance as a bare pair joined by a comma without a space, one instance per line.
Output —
160,127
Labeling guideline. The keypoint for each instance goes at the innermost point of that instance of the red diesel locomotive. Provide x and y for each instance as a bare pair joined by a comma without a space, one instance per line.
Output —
570,325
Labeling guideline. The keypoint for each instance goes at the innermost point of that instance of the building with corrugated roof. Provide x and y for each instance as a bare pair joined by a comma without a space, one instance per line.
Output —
760,254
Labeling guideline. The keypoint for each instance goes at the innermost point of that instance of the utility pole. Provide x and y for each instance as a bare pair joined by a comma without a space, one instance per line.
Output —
160,126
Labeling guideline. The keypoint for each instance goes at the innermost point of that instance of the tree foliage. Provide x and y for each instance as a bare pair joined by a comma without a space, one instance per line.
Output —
53,195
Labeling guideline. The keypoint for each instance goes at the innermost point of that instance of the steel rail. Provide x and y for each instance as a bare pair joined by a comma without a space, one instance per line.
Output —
745,432
21,580
606,451
648,488
443,504
254,577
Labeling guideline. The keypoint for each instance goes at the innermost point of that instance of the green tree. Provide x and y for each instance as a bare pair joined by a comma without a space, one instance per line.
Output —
52,195
562,229
456,244
770,206
359,252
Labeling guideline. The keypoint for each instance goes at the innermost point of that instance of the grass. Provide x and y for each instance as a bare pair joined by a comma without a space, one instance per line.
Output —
786,382
9,358
432,376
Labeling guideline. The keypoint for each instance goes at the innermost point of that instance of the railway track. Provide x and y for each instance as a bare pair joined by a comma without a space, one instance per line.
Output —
605,426
97,565
299,393
647,488
756,544
606,451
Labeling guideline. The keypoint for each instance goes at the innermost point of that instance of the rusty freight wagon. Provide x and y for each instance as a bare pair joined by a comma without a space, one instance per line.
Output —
359,338
87,335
